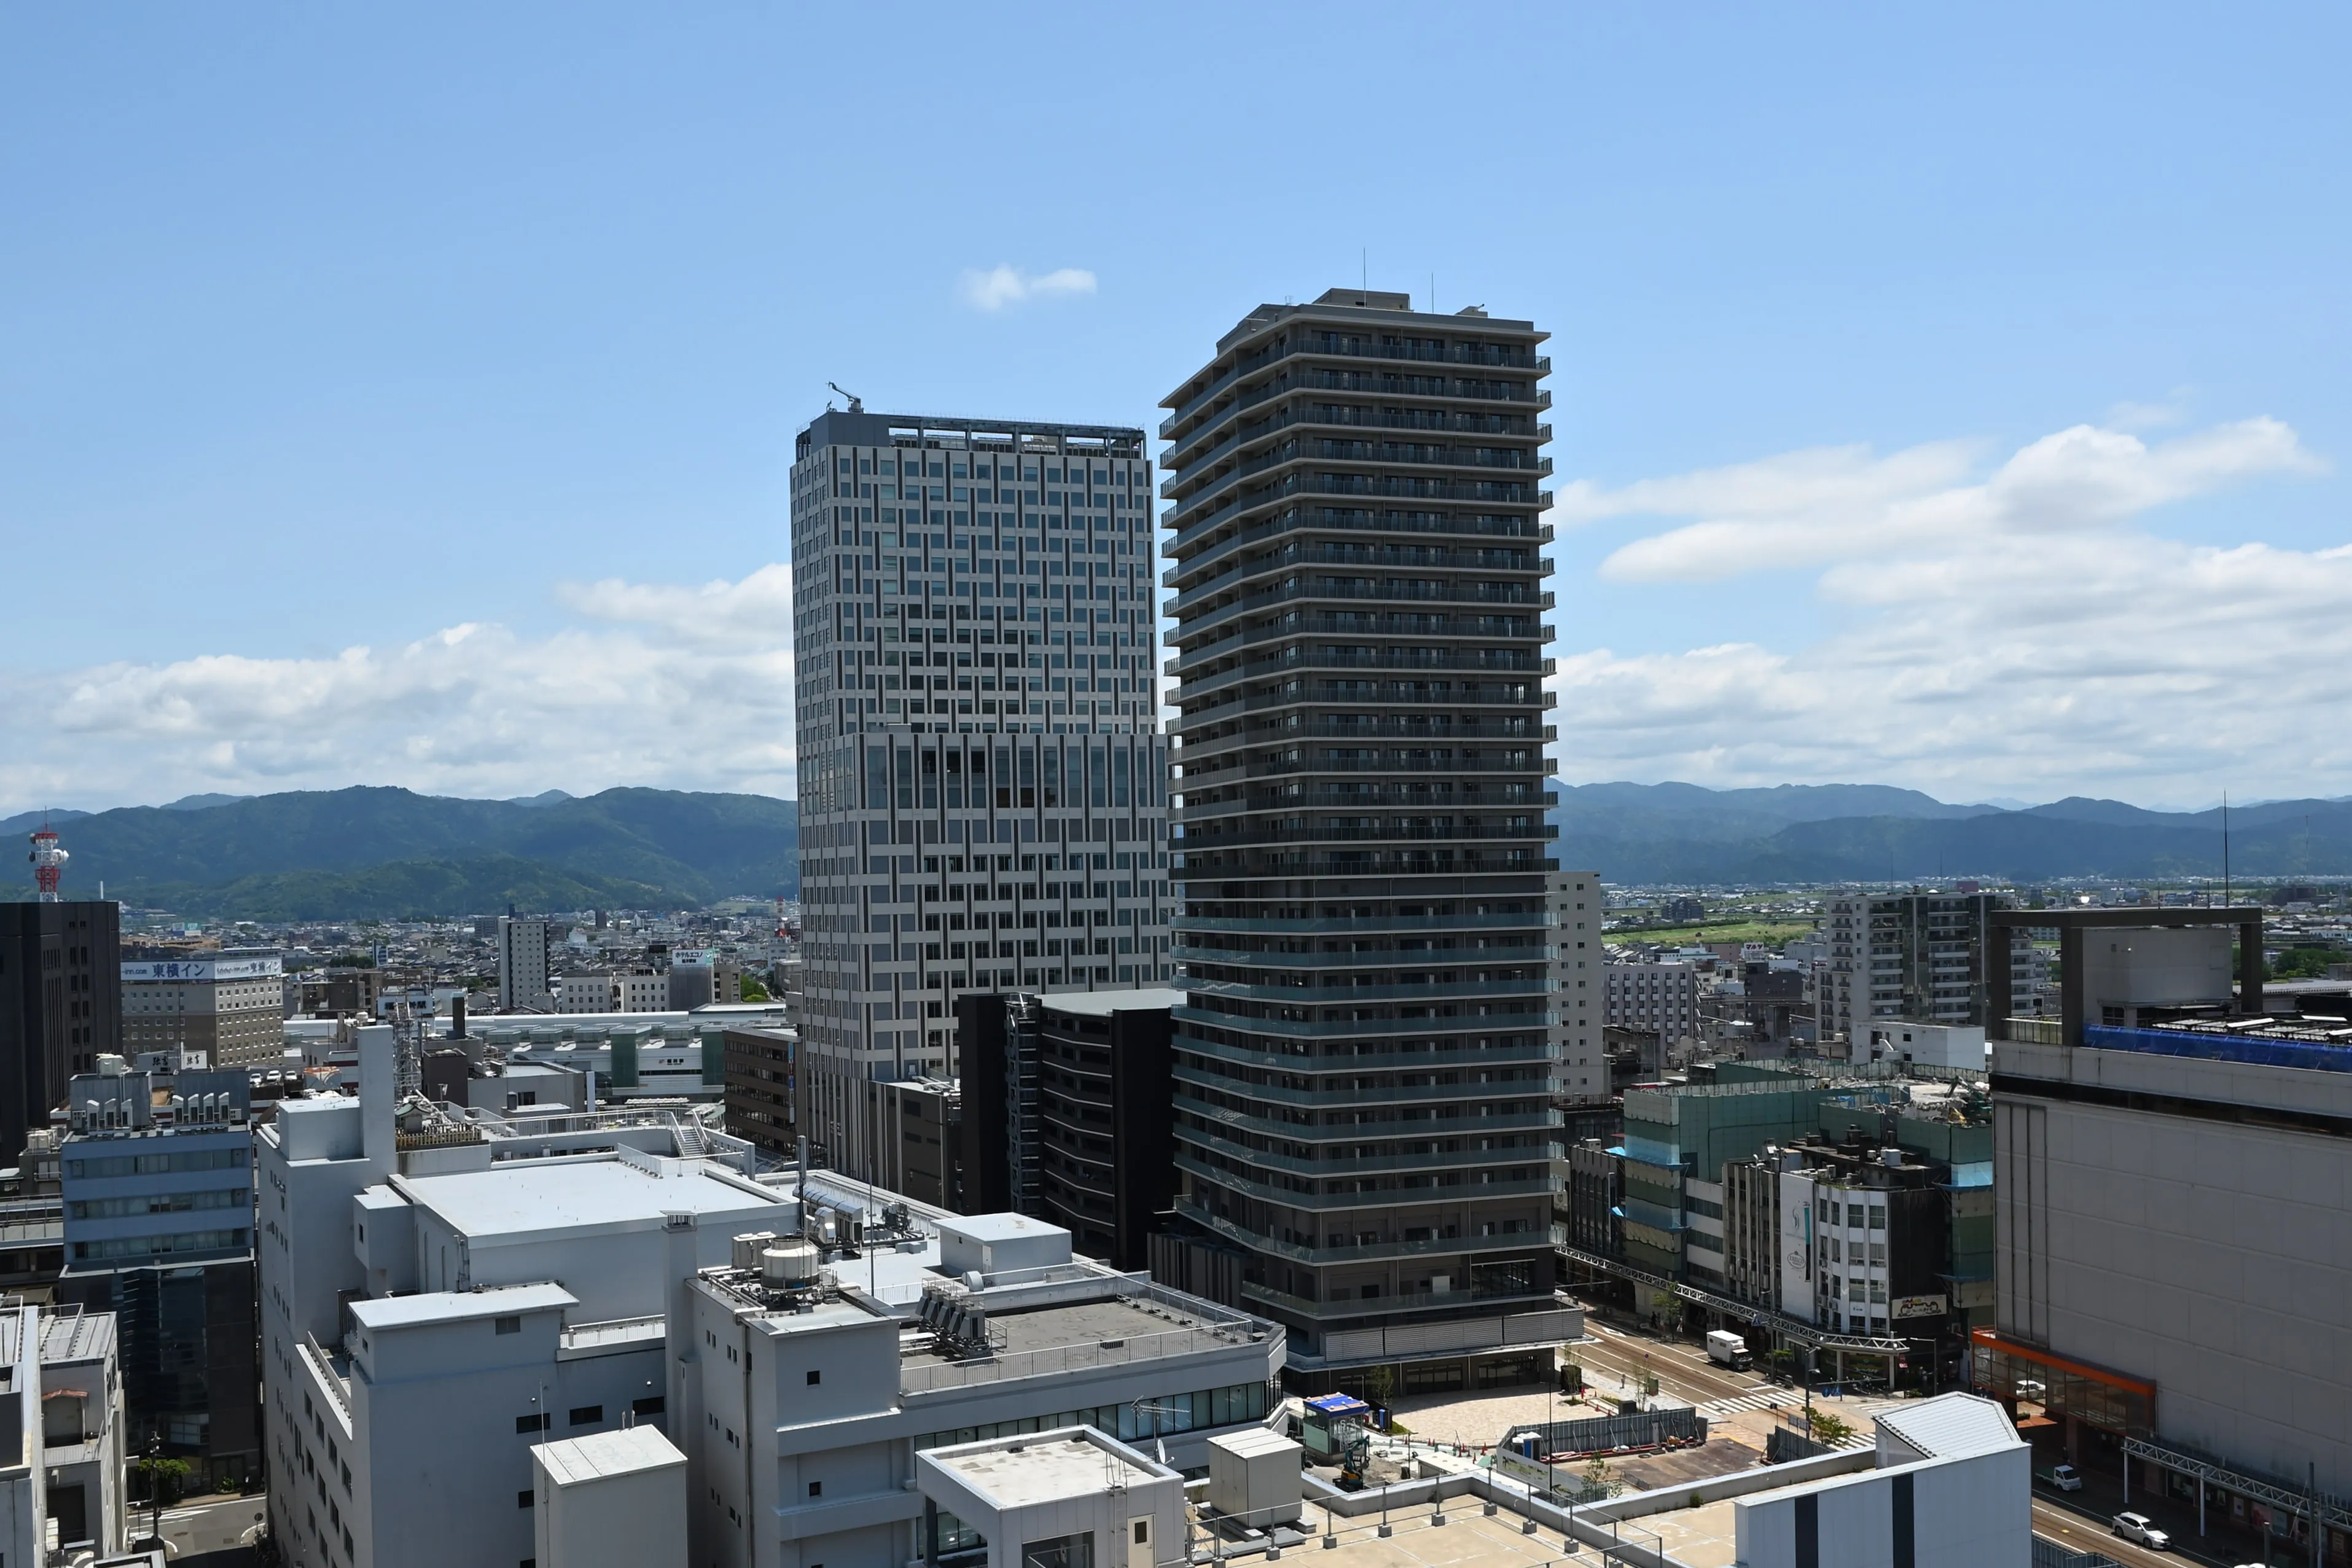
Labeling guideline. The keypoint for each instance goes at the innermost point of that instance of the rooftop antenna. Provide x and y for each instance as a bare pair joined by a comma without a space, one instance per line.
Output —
2225,847
48,864
857,403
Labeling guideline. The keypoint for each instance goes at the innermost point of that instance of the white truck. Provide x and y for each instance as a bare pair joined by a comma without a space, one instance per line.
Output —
1726,1349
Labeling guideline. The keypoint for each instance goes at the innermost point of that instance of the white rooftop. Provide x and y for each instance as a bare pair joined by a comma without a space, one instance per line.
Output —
456,1306
1950,1425
993,1228
629,1450
530,1197
1014,1472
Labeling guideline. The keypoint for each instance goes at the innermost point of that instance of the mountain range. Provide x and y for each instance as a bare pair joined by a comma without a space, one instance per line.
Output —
390,852
1848,832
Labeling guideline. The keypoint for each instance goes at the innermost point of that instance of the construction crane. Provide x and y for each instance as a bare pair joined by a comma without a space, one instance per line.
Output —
857,403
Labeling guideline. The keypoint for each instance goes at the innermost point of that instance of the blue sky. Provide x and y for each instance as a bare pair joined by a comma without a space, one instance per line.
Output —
475,338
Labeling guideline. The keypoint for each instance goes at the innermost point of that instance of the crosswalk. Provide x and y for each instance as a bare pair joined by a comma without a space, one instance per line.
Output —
1762,1399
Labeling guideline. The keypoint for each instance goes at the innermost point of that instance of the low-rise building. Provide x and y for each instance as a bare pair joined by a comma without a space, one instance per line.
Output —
800,1340
62,1447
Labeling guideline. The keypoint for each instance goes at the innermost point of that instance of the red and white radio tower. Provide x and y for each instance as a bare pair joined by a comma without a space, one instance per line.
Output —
48,864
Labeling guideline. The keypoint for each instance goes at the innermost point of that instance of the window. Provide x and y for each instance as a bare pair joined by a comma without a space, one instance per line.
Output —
523,1497
507,1325
814,1378
651,1405
1060,1551
816,1489
533,1423
587,1414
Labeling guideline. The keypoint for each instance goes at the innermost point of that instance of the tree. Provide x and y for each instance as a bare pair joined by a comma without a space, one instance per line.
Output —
1380,1386
749,989
1830,1427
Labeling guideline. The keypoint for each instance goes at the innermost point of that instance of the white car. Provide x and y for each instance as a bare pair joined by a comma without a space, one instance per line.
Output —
2141,1530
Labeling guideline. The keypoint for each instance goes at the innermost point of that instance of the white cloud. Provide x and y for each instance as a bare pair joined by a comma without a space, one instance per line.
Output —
1812,507
1002,285
2012,635
685,688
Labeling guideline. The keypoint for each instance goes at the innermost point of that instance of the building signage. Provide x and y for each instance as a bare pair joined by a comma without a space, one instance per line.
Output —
1916,1307
203,970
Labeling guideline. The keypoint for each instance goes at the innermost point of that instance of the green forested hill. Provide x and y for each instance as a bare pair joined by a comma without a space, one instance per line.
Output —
379,848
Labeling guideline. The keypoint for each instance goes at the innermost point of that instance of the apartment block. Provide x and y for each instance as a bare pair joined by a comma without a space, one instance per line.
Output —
1367,1055
1917,955
984,788
1652,998
222,1010
1103,1090
1579,970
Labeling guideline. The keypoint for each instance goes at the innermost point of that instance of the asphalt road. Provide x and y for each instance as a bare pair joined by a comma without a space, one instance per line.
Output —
1683,1369
204,1526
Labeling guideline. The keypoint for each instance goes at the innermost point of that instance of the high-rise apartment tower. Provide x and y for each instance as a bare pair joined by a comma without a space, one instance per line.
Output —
1365,1061
982,780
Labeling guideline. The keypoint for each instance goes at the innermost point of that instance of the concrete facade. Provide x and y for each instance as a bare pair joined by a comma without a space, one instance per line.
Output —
984,801
524,966
2188,1223
1578,903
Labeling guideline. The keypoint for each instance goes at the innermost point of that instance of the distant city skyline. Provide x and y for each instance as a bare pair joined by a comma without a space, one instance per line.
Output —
1946,402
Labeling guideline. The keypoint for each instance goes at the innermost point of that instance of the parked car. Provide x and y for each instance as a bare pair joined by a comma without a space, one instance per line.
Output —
2064,1477
2141,1530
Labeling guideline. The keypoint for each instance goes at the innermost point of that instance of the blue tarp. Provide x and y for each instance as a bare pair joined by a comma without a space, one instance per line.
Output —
2300,1053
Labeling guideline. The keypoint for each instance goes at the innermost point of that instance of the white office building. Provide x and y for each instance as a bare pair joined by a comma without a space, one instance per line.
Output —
443,1299
983,796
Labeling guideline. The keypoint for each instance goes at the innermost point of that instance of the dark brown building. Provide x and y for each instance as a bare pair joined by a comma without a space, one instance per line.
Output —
1105,1131
760,1086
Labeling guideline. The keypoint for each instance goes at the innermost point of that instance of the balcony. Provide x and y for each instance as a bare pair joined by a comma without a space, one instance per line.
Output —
1271,1127
1334,996
1358,1094
1362,1252
1346,1028
1429,1190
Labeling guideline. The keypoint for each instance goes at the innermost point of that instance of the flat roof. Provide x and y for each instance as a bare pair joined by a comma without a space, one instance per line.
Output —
530,1198
460,1306
1076,1322
630,1450
999,1226
1102,1004
1045,1468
